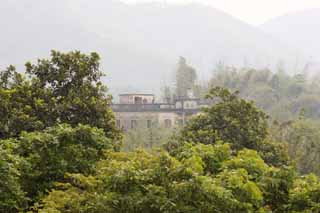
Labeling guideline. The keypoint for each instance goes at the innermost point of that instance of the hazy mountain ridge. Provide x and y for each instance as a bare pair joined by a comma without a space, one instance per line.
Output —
139,44
199,32
300,29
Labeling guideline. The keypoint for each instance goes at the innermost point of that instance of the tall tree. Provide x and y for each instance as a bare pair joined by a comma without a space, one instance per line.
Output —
167,95
185,78
12,197
303,139
200,178
235,121
52,153
66,88
230,119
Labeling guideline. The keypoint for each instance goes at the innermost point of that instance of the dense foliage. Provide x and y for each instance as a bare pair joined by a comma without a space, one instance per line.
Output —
186,77
201,178
303,138
235,121
63,89
197,174
59,148
12,197
49,120
282,95
230,119
147,138
184,83
52,153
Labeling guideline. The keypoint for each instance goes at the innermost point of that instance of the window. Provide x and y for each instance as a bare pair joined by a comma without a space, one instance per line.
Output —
134,124
137,100
149,123
180,122
167,123
118,124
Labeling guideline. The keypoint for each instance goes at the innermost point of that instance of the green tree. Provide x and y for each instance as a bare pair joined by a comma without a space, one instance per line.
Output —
200,178
230,119
281,95
305,194
234,121
12,197
276,186
66,88
22,106
146,138
303,139
185,78
141,182
51,153
167,95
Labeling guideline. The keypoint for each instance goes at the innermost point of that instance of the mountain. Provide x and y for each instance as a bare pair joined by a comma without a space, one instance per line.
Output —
30,29
300,29
202,34
139,43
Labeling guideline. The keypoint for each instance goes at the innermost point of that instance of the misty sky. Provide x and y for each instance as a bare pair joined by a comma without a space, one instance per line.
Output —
253,11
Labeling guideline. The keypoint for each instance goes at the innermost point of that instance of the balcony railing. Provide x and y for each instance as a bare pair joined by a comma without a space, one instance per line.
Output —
149,108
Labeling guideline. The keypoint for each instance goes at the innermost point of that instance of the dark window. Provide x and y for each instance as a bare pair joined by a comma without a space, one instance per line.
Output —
149,123
134,124
180,122
137,100
167,123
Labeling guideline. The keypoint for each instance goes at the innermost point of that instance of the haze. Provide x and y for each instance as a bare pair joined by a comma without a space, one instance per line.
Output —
252,11
140,44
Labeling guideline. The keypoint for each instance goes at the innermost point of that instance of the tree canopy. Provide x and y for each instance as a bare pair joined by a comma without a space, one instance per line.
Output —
201,178
63,89
185,78
12,196
59,148
230,119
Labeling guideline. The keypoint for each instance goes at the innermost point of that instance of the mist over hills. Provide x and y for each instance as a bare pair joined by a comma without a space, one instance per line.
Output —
300,29
29,28
139,44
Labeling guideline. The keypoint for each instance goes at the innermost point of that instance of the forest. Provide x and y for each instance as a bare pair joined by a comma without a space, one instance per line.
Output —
256,149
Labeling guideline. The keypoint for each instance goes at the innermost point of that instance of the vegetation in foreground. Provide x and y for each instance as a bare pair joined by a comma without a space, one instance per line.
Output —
59,151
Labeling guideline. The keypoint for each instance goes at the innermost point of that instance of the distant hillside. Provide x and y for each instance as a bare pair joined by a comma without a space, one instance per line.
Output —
140,44
202,34
300,29
30,28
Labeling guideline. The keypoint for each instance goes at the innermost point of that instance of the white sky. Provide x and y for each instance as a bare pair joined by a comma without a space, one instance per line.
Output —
253,11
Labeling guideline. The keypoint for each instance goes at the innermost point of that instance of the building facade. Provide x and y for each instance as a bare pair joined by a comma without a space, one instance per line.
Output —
141,111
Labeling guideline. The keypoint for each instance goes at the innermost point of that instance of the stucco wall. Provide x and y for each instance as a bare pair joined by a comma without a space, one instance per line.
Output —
125,118
130,98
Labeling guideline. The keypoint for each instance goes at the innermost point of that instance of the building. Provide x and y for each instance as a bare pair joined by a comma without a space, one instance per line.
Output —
141,111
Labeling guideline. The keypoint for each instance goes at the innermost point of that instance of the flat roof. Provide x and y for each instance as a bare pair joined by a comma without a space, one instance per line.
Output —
126,94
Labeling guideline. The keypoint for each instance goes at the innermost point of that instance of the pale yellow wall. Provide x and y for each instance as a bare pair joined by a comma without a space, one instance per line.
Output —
129,99
159,118
142,117
190,104
167,115
125,99
150,99
187,104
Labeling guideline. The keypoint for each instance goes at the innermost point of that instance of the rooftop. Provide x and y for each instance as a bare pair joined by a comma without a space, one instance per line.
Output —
150,108
142,94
